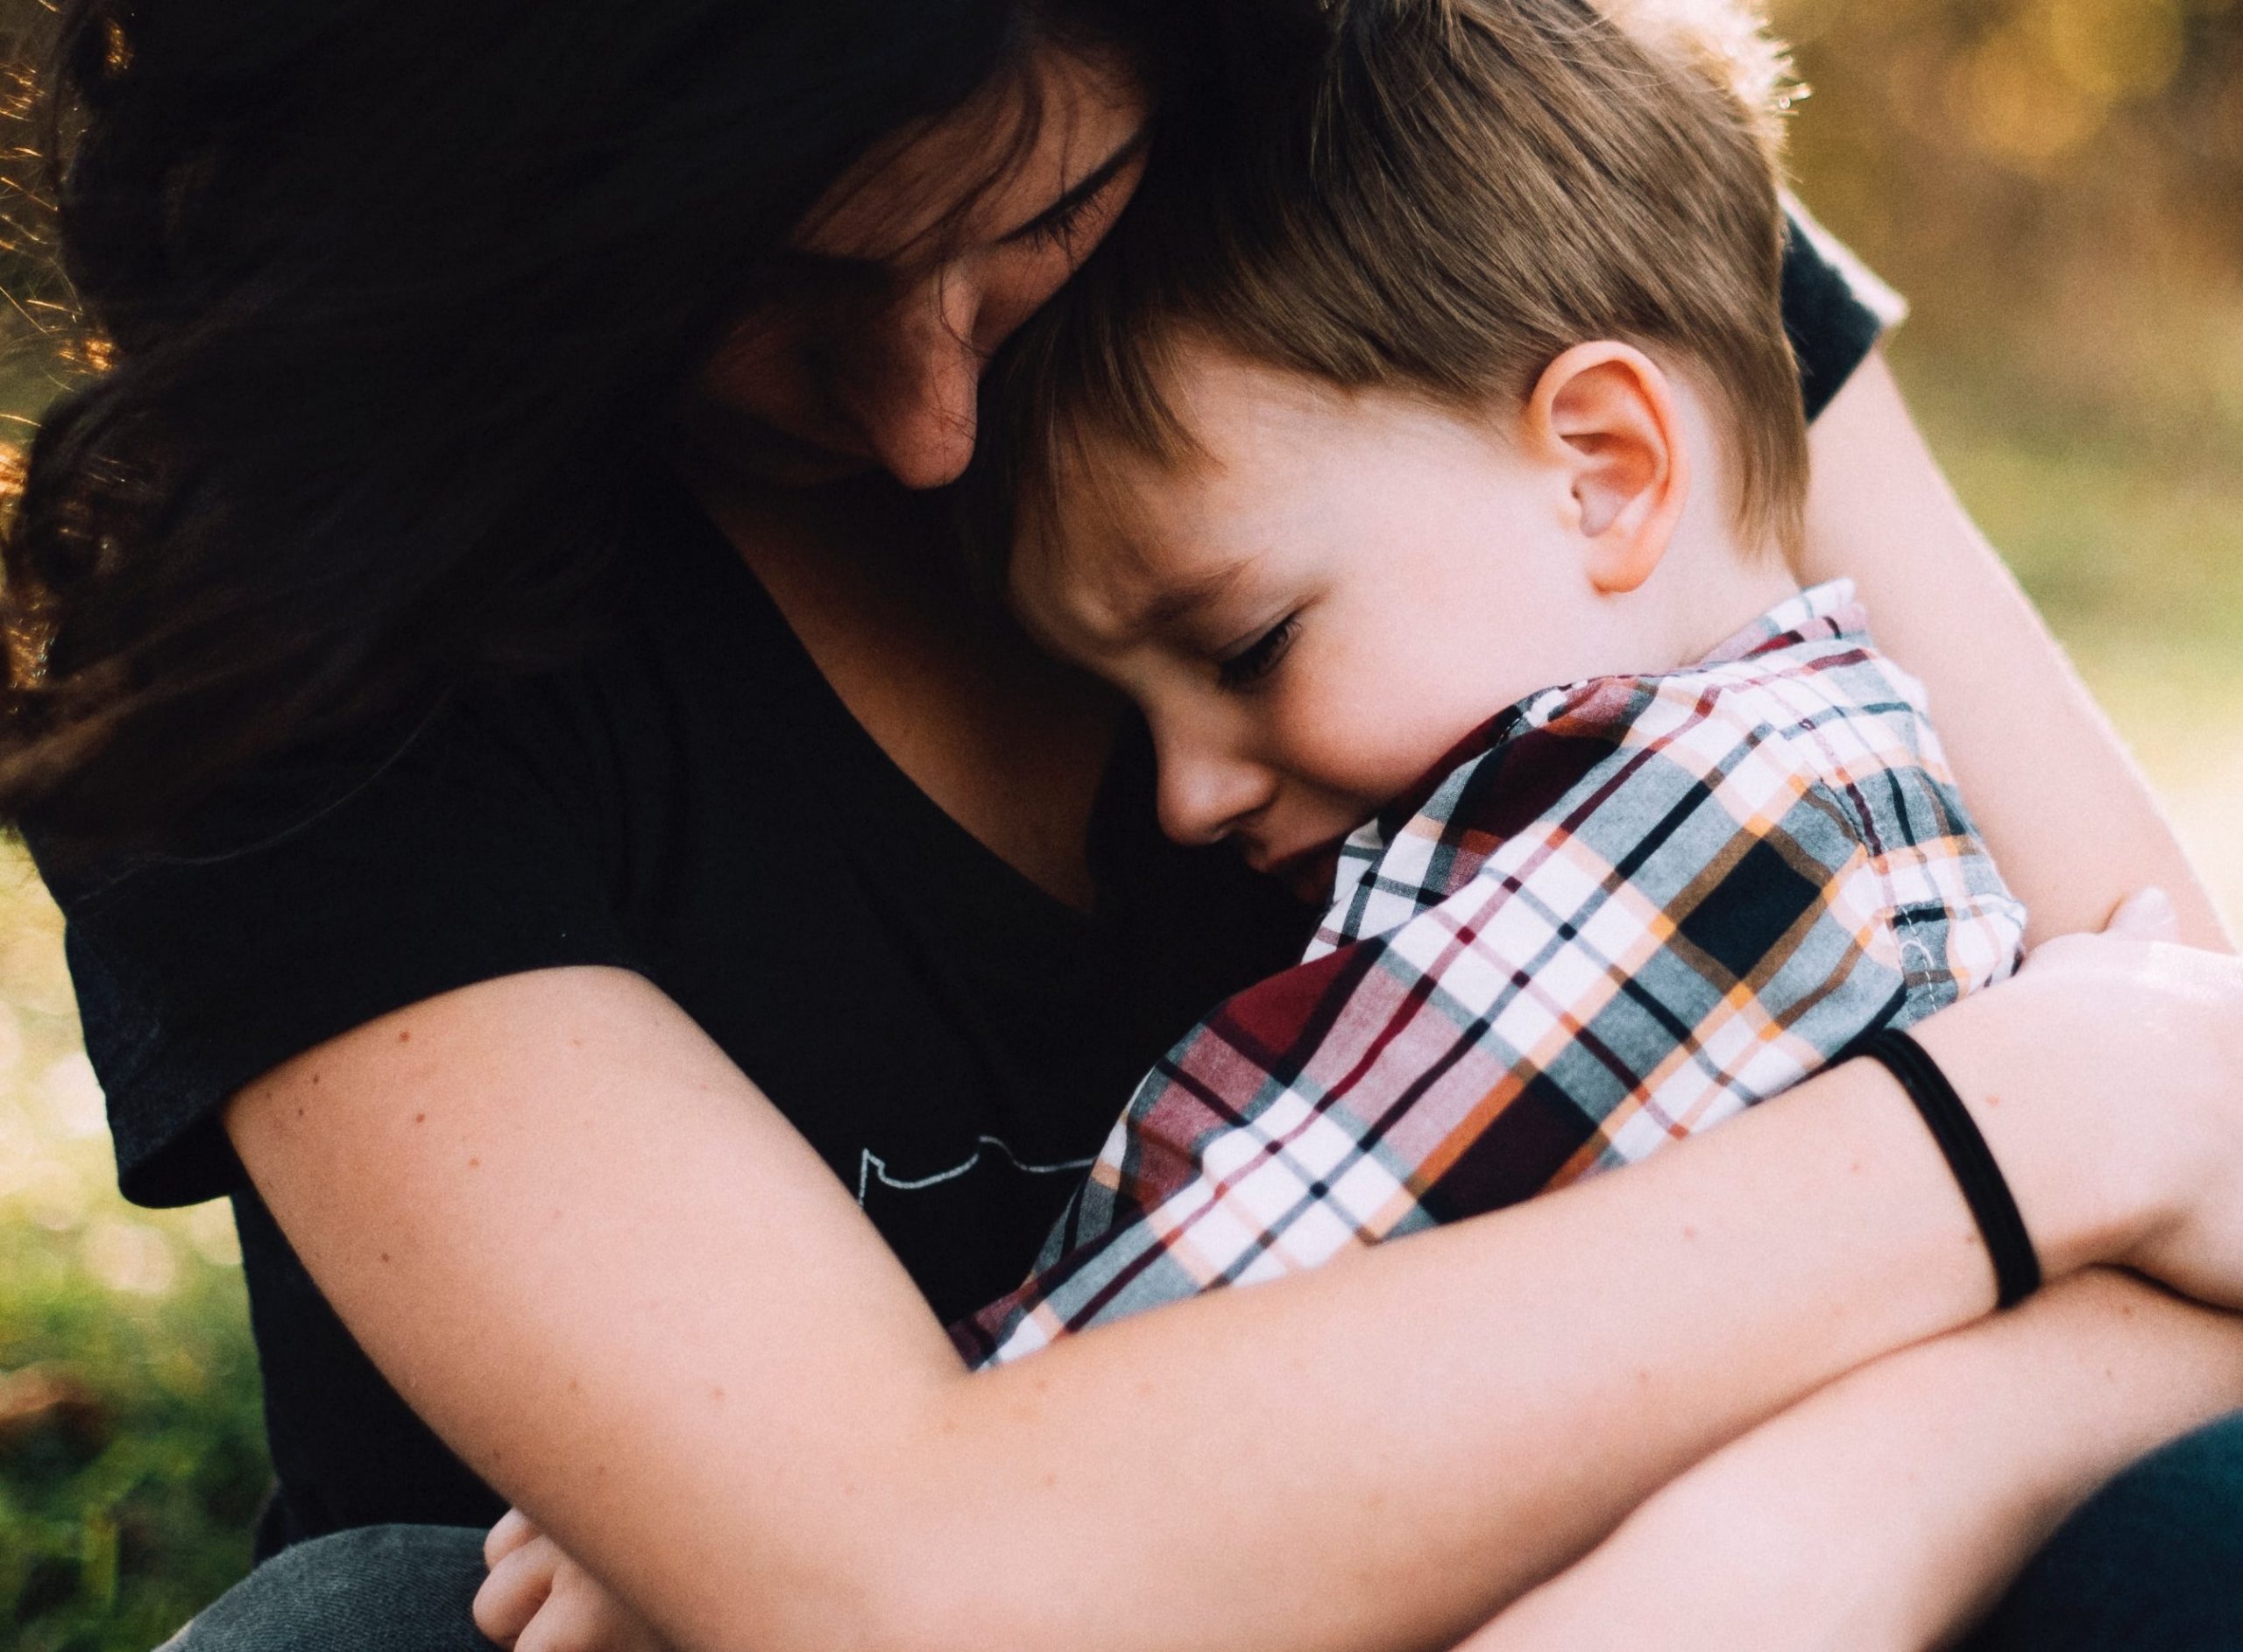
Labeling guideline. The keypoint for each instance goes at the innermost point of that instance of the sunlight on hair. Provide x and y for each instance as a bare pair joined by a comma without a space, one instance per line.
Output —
1729,39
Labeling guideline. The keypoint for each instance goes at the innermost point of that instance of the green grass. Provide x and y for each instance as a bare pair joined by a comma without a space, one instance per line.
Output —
125,1503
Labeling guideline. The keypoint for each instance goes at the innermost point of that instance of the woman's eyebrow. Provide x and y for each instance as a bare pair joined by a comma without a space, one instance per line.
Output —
1091,184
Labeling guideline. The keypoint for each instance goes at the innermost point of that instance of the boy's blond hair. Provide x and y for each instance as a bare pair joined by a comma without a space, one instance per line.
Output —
1436,197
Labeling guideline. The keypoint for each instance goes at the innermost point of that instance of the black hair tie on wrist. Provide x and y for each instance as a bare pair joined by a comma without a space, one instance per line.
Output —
2017,1268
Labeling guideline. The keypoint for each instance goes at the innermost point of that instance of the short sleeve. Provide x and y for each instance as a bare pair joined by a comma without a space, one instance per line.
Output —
324,893
1835,307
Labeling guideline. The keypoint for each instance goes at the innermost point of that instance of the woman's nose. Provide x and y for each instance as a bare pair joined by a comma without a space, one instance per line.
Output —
917,403
1206,794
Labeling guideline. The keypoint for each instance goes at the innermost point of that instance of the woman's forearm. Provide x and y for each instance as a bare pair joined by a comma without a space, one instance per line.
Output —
2072,822
602,1266
1889,1510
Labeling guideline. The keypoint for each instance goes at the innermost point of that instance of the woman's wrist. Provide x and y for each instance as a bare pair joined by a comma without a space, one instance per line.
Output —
2108,1082
2010,1055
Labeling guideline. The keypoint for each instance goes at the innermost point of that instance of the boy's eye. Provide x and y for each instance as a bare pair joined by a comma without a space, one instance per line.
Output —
1259,657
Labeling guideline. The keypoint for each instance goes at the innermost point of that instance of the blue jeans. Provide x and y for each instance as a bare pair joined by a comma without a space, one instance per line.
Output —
2152,1564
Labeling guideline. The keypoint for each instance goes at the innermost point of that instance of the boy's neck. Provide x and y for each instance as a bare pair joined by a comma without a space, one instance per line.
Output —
1709,588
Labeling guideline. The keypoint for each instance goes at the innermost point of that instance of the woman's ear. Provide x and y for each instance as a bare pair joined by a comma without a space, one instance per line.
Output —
1606,412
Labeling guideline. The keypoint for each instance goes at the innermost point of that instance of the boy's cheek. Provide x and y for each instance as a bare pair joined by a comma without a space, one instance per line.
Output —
1369,753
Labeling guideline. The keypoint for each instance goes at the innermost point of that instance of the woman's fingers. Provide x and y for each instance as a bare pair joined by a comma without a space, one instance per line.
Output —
513,1530
2148,914
516,1590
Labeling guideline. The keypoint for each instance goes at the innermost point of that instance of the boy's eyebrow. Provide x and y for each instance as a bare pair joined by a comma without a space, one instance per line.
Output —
1164,608
1091,184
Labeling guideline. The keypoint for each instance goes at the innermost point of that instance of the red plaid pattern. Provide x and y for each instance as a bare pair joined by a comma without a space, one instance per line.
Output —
1627,909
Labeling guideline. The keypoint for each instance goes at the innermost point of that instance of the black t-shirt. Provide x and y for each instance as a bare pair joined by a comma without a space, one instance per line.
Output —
691,801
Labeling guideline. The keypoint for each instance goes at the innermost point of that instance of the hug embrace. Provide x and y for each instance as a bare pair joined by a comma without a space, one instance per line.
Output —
913,794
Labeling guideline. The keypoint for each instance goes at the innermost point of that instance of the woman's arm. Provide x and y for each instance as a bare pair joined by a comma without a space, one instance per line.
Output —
2069,818
1888,1511
589,1252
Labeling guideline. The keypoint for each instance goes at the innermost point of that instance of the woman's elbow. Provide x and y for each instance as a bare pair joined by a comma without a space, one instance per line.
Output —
904,1563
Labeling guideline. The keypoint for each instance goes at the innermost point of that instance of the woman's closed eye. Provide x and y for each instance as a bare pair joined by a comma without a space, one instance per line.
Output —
1060,228
1259,657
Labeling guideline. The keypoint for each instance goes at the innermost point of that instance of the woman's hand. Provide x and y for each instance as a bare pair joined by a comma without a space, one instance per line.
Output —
2119,1101
537,1599
2171,1026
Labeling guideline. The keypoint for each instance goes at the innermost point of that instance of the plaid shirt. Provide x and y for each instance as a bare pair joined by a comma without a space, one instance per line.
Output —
1627,909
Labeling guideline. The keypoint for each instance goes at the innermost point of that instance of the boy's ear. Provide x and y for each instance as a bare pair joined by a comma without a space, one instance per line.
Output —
1607,415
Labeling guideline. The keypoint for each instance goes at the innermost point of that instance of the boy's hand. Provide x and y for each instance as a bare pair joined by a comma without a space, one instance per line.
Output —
537,1599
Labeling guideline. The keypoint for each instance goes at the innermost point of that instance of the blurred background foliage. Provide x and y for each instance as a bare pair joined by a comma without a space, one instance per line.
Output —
2057,185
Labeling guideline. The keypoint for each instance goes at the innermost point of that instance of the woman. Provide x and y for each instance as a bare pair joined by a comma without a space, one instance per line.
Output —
526,885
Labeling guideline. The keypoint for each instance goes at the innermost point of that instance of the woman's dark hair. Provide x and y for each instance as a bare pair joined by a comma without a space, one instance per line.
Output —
393,297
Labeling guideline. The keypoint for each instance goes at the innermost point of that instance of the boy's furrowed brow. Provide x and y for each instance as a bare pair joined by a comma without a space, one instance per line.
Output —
1179,602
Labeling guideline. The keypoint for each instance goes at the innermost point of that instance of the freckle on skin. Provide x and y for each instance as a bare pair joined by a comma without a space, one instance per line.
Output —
1050,1480
718,1394
404,1038
385,1256
420,1118
475,1164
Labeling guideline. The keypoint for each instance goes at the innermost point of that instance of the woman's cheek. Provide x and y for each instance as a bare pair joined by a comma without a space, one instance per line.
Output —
1021,284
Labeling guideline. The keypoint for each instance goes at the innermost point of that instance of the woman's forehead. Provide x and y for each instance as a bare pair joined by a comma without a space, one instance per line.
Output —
988,172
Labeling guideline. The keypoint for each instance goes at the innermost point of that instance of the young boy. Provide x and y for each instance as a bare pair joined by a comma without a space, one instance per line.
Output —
1472,383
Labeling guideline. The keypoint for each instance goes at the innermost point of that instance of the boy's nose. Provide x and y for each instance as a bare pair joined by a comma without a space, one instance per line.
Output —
1205,796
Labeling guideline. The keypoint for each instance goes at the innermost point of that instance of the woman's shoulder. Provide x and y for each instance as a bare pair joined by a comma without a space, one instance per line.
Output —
1835,308
504,828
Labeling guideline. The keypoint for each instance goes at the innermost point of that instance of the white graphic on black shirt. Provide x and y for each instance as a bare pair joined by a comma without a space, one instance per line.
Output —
872,1168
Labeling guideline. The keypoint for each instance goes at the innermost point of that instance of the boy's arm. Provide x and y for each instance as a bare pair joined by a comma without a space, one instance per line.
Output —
1889,1510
